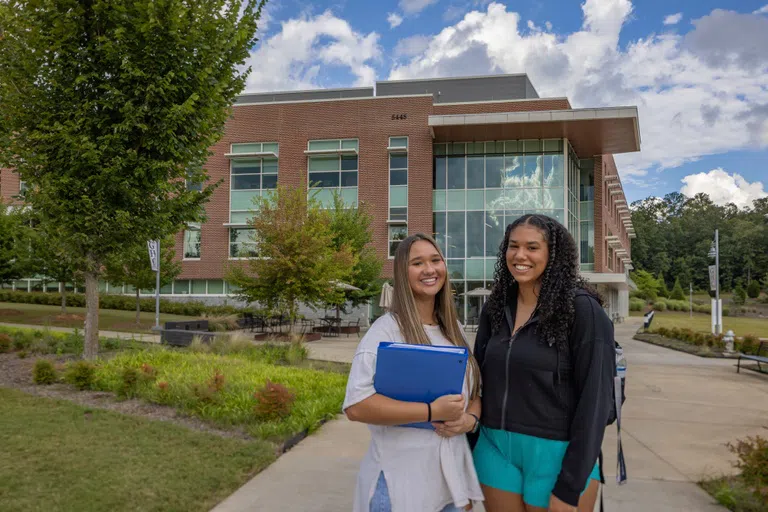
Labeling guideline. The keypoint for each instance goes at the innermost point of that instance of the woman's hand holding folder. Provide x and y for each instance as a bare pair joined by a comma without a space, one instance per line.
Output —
447,408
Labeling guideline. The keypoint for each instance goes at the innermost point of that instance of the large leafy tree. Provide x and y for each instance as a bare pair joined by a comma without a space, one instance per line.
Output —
132,267
298,261
106,106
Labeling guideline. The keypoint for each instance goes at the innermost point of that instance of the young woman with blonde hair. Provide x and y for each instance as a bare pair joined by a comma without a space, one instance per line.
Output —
411,469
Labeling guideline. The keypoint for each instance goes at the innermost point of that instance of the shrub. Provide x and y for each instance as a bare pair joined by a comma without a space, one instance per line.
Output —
660,306
687,335
273,401
223,323
750,344
5,343
119,302
296,353
44,373
129,382
636,304
663,331
21,354
752,454
753,290
677,291
739,295
80,375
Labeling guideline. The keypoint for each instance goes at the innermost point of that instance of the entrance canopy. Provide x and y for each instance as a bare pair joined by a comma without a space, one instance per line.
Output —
591,131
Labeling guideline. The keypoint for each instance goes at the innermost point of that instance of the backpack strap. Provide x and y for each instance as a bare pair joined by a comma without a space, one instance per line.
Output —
621,465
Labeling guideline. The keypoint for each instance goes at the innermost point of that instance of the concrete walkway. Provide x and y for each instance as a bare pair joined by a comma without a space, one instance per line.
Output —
680,412
138,336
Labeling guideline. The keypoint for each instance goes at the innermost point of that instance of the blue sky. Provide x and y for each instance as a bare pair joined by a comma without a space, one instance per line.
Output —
696,70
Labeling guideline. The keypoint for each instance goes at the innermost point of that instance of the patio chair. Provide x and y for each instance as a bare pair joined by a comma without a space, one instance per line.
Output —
352,326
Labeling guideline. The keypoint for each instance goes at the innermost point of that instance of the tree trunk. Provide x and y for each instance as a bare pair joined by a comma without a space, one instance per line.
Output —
91,316
138,307
63,298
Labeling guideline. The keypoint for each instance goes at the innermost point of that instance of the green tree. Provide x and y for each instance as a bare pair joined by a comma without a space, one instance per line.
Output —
646,284
663,290
351,227
14,254
106,106
677,291
132,267
297,261
753,290
52,257
739,295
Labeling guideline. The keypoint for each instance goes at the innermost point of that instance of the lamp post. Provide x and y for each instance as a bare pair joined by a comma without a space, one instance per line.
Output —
714,252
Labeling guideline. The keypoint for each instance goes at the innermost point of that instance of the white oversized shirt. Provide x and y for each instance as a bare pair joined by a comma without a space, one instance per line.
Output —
424,472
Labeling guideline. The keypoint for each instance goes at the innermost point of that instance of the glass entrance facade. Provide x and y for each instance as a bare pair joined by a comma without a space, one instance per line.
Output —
481,187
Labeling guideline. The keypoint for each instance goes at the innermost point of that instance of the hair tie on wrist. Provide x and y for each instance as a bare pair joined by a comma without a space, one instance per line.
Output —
429,412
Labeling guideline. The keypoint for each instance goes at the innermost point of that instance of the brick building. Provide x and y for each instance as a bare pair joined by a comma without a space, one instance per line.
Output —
460,158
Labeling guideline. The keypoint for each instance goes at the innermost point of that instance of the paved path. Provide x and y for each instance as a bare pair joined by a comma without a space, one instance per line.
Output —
680,411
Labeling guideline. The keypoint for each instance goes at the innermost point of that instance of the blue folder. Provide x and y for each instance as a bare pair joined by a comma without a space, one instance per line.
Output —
419,373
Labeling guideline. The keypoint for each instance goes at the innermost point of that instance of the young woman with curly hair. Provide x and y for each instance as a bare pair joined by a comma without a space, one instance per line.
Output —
546,351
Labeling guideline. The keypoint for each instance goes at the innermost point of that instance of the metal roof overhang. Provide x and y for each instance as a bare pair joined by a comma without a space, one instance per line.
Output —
591,131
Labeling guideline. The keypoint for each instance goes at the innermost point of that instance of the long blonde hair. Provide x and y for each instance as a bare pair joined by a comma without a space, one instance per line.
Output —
407,314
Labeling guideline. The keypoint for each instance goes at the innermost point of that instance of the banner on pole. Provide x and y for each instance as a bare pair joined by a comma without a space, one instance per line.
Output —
152,245
713,277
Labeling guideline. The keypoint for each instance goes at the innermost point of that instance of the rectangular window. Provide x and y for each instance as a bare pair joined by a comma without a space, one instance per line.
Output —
398,142
192,242
396,234
337,169
242,243
250,177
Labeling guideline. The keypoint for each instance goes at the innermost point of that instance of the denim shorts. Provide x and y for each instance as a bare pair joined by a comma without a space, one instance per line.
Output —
380,500
521,464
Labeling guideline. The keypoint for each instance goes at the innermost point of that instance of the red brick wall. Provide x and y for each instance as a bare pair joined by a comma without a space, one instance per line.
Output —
606,217
292,125
9,185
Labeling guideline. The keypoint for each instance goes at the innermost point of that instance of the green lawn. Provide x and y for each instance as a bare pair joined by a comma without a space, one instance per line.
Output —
57,456
109,319
702,322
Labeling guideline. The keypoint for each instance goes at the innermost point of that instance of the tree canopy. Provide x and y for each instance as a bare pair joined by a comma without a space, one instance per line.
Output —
674,235
108,106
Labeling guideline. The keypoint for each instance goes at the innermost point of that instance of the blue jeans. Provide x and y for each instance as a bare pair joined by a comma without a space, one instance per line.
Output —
380,500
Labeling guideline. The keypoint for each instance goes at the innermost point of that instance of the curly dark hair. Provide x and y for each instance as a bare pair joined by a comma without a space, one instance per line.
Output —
559,281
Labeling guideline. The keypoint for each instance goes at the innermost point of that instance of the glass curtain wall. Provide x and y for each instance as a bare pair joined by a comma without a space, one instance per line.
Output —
587,214
480,188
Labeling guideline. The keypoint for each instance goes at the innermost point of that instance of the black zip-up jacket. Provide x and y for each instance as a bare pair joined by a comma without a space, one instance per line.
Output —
532,388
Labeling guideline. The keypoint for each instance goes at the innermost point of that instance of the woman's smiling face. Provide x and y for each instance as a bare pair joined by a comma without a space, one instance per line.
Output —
527,254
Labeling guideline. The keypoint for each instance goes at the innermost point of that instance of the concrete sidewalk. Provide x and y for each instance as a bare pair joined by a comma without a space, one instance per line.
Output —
680,411
144,337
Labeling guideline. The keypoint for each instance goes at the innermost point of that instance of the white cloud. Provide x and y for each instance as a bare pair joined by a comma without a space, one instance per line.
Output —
415,6
723,188
673,19
411,46
394,19
292,58
694,98
762,10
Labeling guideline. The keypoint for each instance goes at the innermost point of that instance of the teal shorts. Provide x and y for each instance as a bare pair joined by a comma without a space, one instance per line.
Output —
521,464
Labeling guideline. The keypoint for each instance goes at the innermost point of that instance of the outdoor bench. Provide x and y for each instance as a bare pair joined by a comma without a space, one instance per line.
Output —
181,333
761,357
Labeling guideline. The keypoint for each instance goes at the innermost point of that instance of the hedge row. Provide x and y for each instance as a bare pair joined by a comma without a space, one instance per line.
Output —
120,302
749,344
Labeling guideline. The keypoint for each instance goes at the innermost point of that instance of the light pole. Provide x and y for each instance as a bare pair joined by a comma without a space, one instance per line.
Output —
714,252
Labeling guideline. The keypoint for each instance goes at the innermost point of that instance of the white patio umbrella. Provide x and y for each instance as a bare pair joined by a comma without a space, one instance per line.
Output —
386,296
478,292
347,288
